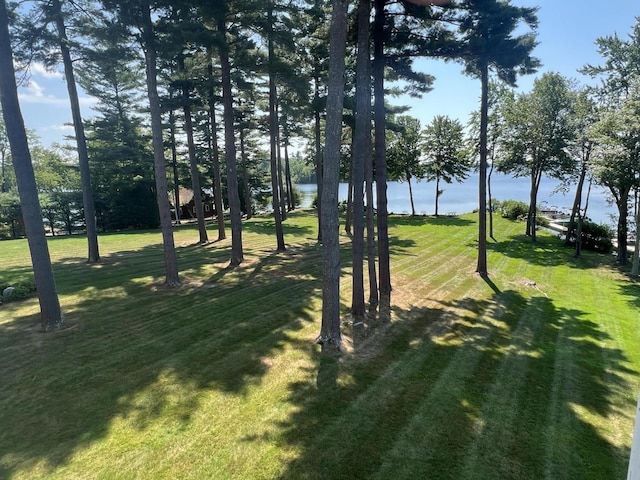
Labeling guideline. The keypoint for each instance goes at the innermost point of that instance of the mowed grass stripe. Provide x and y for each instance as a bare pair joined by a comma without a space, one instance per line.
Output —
221,378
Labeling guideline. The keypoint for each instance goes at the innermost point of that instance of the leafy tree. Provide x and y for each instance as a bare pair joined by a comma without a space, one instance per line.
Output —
445,154
617,159
617,130
404,153
487,43
50,311
539,132
51,31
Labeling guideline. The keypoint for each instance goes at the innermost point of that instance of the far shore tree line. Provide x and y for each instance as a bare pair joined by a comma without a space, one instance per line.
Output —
230,86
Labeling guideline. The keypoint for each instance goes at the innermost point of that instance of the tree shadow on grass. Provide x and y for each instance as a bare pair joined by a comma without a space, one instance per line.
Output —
422,220
630,290
546,251
504,388
138,351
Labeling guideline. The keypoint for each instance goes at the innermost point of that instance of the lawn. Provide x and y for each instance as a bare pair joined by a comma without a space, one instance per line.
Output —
532,374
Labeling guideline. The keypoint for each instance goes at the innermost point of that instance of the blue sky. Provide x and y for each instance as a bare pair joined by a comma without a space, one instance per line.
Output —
567,33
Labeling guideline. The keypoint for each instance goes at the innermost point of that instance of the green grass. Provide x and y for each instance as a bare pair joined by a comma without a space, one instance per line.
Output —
466,379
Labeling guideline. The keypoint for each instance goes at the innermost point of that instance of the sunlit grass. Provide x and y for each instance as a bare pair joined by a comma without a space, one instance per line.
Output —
530,375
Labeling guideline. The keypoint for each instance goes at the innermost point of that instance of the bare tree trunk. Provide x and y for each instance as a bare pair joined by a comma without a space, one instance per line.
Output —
193,161
217,179
361,135
490,198
330,336
160,166
245,177
635,264
50,313
174,164
81,142
276,173
349,212
291,201
319,155
380,149
435,213
237,254
413,207
283,193
575,210
481,267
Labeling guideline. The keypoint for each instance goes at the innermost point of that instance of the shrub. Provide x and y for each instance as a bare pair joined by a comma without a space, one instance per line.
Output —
595,237
512,209
23,289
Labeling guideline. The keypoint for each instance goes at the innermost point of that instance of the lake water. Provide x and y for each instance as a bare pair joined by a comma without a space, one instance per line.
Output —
463,197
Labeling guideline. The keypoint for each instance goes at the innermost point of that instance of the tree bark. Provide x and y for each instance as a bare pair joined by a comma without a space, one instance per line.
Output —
50,313
330,336
193,160
160,166
245,177
237,254
577,201
276,176
384,284
362,136
81,141
318,152
215,154
413,207
481,267
174,165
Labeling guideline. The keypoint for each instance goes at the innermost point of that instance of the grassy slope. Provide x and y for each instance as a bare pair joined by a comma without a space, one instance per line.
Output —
220,379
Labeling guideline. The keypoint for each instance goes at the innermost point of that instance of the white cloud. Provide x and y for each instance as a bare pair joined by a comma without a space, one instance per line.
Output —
33,92
40,70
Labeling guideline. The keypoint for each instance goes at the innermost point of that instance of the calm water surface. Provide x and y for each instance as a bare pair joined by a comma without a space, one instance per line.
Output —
463,197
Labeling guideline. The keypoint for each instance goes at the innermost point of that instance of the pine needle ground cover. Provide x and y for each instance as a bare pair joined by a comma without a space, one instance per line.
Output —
531,375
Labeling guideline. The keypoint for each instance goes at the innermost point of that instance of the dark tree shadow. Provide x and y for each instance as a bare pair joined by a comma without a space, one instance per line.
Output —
64,389
495,386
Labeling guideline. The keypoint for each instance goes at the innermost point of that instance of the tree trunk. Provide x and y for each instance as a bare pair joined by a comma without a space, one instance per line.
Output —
81,142
577,201
162,193
490,199
193,161
623,226
536,177
413,207
319,155
50,313
330,336
380,149
217,179
283,193
237,254
359,156
481,267
245,177
437,195
276,177
291,201
348,214
635,264
174,165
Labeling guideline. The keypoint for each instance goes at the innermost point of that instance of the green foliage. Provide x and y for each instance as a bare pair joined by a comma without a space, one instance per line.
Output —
23,289
511,209
302,170
595,237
